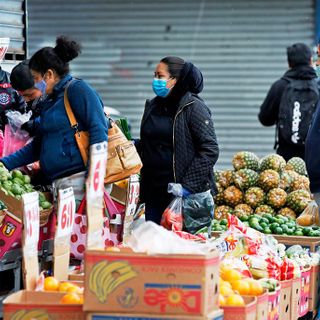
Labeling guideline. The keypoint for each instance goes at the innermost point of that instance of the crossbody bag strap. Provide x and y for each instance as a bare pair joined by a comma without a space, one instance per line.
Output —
70,114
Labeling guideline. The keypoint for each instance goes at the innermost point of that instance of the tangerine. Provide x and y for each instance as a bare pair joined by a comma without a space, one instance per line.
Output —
235,300
230,275
256,289
75,289
51,284
64,286
226,290
242,286
71,298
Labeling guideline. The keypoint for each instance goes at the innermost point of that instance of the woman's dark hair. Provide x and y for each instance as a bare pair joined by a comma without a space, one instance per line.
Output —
56,58
175,65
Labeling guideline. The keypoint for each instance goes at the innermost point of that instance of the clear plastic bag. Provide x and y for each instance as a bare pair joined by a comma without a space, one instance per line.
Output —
310,215
172,216
14,137
198,211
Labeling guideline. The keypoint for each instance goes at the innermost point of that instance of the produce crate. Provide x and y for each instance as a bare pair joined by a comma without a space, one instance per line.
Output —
247,312
305,292
177,284
310,243
274,304
40,305
314,289
262,306
285,300
215,315
295,298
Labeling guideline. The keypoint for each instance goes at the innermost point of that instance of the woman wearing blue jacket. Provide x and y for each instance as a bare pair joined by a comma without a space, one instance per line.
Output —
55,145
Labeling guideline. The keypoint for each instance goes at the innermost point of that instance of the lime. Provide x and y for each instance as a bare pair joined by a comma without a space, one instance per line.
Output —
224,222
278,230
267,230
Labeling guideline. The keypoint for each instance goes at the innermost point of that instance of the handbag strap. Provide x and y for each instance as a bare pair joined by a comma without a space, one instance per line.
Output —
72,119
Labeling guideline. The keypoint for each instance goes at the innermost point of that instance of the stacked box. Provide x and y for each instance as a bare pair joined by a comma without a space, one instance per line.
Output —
247,312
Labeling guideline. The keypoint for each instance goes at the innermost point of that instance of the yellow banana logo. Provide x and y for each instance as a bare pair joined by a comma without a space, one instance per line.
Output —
106,277
36,314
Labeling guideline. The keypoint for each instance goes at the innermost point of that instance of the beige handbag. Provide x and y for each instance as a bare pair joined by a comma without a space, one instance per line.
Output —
123,158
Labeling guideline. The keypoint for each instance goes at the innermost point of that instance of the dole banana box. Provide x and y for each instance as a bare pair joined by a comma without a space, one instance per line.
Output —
128,282
215,315
38,305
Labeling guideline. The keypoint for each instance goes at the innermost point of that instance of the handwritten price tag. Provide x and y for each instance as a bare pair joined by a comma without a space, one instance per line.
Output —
31,218
66,212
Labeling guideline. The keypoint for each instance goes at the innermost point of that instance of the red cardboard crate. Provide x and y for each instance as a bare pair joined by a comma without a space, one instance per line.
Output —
247,312
128,282
305,292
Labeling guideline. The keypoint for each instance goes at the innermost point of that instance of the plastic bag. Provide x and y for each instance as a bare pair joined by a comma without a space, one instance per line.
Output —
197,211
14,137
310,215
172,216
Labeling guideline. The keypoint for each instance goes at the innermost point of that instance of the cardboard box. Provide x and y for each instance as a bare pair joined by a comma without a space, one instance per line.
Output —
247,312
314,289
215,315
274,304
14,205
295,298
262,306
35,305
305,292
285,300
10,233
128,282
310,243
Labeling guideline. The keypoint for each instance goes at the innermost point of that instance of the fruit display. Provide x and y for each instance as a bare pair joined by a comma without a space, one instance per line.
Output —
14,183
267,186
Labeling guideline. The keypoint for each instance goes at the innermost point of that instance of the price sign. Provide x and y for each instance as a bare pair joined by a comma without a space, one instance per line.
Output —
31,218
98,163
66,212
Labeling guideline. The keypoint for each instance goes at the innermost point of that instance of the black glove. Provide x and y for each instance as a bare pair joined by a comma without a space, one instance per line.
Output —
29,127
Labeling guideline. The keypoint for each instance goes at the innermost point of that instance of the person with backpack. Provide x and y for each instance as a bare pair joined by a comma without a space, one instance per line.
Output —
291,102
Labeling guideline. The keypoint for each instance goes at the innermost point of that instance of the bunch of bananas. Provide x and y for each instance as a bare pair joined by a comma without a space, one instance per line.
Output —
106,277
36,314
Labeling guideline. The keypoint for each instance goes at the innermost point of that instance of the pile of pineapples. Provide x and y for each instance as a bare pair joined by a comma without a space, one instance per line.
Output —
265,186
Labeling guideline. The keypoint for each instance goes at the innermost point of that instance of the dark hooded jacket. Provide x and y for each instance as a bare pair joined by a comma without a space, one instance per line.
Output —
269,110
178,141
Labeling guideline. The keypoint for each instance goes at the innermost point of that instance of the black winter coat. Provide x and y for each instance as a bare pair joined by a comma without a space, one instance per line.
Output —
269,110
195,147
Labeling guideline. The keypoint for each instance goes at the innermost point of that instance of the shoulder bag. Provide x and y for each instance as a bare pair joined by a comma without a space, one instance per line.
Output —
123,158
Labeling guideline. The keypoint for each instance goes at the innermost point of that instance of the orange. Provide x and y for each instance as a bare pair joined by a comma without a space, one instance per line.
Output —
71,298
224,283
222,300
51,284
75,289
235,300
225,290
242,286
256,288
64,286
230,275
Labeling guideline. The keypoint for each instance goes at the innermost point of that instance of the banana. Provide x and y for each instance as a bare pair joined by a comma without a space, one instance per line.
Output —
104,284
95,274
18,315
30,315
125,277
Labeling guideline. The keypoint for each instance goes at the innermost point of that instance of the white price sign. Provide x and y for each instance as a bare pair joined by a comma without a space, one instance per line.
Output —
98,163
66,212
31,218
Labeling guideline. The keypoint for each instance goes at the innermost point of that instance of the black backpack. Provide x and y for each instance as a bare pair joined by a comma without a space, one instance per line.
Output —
297,106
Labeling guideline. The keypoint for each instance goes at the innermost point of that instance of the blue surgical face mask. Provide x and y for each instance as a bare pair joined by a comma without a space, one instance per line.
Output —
42,86
159,87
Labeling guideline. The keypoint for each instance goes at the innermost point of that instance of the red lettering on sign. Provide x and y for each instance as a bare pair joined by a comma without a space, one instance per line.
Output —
96,176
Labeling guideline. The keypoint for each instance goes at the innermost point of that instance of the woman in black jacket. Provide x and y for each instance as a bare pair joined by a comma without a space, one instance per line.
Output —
178,142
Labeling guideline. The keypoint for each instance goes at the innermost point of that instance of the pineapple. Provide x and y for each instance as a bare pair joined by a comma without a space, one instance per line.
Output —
254,197
242,210
245,178
217,174
276,198
286,179
245,160
222,212
219,187
287,212
232,196
273,162
219,199
225,178
298,165
269,179
300,182
298,200
264,209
